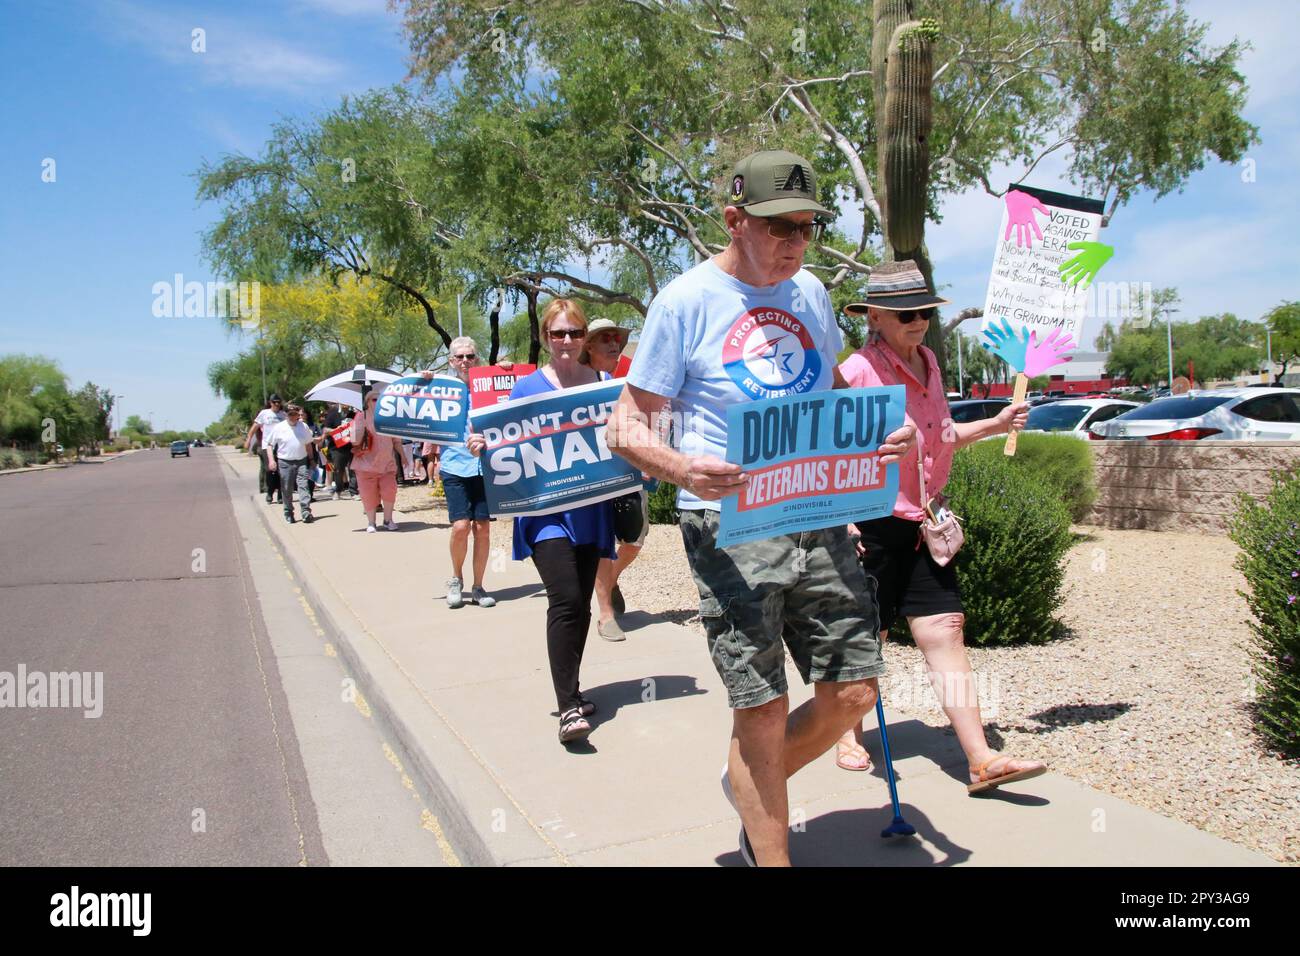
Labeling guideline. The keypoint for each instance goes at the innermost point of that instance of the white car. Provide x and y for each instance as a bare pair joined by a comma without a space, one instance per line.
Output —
1074,416
1225,414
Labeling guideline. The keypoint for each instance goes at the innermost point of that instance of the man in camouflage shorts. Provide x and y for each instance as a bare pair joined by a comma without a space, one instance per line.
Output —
746,325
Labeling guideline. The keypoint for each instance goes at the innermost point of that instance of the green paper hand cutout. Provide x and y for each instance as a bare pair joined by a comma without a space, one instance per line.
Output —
1092,256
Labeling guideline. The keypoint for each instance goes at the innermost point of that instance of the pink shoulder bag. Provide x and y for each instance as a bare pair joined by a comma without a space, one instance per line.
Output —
942,535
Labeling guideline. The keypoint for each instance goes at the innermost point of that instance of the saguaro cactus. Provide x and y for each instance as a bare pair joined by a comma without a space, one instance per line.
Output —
906,133
887,16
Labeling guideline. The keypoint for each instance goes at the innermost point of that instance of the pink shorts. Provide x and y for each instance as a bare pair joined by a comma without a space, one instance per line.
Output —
374,487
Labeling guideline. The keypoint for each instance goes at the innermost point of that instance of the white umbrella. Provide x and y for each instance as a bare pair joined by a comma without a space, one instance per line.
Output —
346,388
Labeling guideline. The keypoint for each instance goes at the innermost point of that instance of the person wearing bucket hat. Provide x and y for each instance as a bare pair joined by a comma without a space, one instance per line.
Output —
899,308
749,324
602,349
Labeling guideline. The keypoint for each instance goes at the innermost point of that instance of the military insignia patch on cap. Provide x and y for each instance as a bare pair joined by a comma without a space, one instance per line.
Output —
737,187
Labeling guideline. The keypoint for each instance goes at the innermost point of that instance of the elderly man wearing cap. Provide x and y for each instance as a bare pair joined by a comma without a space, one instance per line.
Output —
745,325
909,582
602,349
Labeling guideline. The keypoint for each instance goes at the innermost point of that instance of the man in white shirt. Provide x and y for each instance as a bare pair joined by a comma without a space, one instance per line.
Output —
267,482
289,454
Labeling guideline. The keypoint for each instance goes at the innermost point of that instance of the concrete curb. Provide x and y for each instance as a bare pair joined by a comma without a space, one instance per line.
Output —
483,822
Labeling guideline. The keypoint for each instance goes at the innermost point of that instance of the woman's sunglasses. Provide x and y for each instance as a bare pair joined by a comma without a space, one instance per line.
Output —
558,335
907,318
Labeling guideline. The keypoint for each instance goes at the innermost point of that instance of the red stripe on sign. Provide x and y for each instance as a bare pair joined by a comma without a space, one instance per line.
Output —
540,434
810,477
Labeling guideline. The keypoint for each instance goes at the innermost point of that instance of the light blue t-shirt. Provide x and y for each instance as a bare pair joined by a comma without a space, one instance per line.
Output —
710,341
457,460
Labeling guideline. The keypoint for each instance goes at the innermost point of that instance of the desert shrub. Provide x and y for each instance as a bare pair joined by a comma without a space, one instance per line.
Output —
1063,462
1268,534
11,458
662,505
1012,565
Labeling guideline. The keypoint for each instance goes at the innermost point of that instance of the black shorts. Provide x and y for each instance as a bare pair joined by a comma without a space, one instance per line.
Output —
908,582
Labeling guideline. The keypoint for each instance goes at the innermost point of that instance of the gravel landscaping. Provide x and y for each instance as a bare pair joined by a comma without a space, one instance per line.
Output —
1146,698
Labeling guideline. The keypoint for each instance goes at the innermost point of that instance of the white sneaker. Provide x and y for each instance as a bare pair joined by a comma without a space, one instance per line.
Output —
454,596
334,496
371,529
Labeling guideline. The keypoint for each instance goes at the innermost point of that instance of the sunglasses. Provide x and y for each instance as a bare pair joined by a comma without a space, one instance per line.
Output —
559,334
784,229
907,318
465,358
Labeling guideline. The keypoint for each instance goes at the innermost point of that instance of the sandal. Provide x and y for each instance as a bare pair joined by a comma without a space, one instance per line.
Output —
573,726
988,782
846,752
585,707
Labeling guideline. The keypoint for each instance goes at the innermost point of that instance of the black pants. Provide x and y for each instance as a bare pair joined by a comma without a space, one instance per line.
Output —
268,482
341,462
569,574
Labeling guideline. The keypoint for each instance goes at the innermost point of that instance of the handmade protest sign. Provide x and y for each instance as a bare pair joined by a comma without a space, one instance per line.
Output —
491,384
424,409
547,453
811,460
1037,295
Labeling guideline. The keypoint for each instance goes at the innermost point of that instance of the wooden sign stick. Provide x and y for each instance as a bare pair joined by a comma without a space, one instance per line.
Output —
1022,389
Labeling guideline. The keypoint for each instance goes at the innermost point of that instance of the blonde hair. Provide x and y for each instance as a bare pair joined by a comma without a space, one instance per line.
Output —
554,309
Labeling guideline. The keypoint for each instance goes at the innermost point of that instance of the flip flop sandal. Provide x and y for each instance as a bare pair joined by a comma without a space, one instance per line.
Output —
988,783
573,726
843,750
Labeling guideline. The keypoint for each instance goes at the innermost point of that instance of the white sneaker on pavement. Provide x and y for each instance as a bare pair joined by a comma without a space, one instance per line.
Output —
454,596
746,851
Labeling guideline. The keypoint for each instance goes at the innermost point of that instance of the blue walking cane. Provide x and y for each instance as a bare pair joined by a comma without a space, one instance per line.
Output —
899,827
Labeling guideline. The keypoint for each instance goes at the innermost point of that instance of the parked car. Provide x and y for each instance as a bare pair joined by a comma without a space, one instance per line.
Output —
181,447
976,409
1227,414
1075,416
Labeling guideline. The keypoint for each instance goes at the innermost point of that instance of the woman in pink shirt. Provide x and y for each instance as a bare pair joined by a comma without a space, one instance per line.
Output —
909,583
375,465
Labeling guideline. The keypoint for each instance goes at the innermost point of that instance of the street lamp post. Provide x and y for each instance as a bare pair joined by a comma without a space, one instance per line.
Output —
1169,340
1268,334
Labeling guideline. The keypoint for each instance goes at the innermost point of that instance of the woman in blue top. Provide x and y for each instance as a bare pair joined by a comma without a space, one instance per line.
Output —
567,546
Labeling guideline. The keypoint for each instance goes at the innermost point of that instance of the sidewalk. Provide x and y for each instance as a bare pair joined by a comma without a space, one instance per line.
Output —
468,692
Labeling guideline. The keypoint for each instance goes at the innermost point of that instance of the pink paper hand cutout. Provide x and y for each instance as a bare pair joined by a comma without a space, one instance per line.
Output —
1020,216
1042,355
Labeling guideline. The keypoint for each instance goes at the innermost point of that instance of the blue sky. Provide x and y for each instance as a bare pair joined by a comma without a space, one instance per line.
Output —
114,94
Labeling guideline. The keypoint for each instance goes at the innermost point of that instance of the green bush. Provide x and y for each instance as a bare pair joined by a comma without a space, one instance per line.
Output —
1268,535
1012,565
11,458
663,504
1062,461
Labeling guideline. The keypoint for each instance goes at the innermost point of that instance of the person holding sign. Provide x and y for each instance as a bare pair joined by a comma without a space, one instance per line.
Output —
910,583
462,483
374,461
565,546
602,350
745,325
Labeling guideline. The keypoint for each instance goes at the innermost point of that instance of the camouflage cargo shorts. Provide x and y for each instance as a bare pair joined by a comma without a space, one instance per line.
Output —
806,589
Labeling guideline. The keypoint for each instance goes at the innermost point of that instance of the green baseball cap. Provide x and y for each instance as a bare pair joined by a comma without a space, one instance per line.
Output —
772,182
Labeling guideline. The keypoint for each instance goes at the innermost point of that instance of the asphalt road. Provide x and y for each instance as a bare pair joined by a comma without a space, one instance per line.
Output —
141,571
